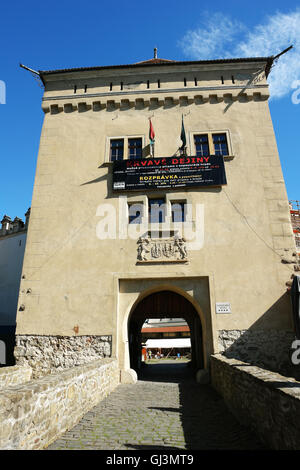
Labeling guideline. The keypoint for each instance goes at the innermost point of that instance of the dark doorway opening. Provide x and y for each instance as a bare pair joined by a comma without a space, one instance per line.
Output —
7,345
164,304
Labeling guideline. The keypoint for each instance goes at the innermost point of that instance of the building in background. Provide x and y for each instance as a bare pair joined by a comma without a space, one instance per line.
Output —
295,219
13,235
165,328
166,336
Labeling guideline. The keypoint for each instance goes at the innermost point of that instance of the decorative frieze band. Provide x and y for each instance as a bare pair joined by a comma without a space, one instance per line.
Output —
103,101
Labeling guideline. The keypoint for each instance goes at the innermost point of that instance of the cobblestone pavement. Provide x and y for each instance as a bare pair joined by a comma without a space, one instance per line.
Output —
160,412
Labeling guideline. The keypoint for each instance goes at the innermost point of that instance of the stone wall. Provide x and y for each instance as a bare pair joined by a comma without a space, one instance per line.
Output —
15,375
270,349
51,354
35,414
262,400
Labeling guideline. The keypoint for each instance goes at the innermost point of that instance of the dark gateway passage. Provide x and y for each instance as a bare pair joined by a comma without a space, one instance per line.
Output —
164,304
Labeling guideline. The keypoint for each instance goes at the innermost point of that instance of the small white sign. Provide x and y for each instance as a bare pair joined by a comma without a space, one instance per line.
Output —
223,307
119,185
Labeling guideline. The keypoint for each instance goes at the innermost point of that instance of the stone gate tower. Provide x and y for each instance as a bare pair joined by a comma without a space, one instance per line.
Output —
193,141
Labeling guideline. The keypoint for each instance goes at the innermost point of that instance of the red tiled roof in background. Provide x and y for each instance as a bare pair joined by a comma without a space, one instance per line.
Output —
165,329
154,61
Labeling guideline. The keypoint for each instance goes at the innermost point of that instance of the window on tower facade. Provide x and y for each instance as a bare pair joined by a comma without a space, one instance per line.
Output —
157,210
135,213
124,147
135,148
211,144
116,149
201,145
178,211
220,144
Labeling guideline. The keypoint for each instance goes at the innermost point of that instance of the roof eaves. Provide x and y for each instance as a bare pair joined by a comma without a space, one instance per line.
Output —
151,64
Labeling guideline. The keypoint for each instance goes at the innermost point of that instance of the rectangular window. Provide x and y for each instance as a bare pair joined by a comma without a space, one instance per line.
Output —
220,144
157,210
178,211
134,148
123,148
116,149
135,213
201,145
211,144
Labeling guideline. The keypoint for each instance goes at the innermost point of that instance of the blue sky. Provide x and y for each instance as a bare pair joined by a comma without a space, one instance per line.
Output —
63,34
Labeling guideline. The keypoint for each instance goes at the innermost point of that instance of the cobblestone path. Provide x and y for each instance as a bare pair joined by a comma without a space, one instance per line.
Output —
160,412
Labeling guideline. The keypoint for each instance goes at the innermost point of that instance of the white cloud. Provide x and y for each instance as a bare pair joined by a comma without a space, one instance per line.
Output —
223,37
208,42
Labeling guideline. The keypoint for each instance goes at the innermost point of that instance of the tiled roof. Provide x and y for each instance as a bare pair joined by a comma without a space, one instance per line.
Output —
157,62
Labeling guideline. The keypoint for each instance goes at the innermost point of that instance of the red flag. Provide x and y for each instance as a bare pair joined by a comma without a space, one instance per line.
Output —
151,133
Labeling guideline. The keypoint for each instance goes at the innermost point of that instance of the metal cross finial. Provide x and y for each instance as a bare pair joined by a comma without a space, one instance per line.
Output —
155,53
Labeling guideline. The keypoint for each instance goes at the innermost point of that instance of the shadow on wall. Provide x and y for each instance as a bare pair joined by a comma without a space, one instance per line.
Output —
266,344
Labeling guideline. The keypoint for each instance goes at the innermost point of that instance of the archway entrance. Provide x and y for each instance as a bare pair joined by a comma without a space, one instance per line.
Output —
164,304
